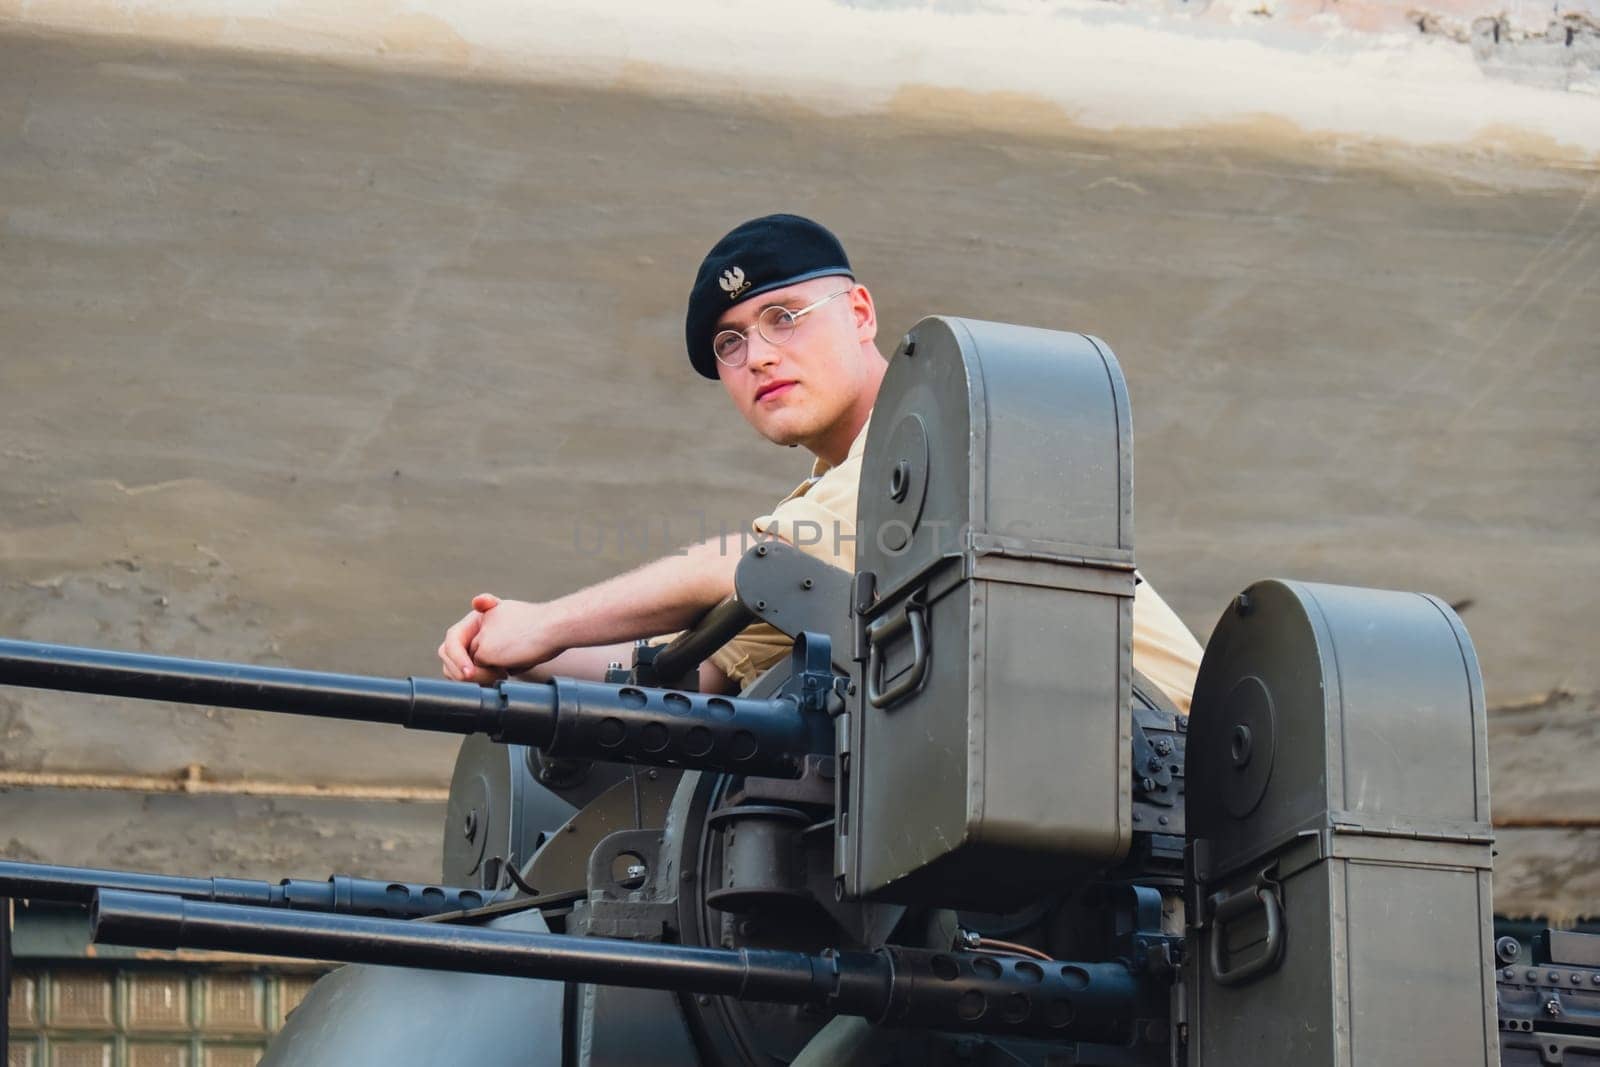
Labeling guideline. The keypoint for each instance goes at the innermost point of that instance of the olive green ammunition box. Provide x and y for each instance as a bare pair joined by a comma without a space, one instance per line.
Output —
987,752
1338,805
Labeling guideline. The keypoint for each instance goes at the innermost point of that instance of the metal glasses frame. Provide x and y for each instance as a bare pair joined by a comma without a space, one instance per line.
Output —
777,311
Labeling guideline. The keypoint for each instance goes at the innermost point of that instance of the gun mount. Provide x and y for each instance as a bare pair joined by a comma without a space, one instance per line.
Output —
957,826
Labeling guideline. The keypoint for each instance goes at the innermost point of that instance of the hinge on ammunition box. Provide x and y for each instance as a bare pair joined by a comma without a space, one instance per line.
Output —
1461,837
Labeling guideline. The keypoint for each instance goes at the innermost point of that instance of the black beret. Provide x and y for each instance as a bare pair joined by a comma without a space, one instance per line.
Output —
756,257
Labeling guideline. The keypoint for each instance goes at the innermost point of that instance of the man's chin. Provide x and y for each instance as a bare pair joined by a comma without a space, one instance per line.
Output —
791,440
782,431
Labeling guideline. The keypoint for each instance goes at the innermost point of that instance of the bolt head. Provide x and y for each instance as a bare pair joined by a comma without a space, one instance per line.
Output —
1240,745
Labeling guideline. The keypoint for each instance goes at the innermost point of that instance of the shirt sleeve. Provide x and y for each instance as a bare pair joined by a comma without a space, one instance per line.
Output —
820,517
1164,650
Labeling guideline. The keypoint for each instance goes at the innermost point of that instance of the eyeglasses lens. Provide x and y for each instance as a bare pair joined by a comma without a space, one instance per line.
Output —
776,324
729,347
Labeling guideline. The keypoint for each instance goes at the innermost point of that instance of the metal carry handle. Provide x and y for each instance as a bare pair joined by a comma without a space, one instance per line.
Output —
1235,906
713,630
880,633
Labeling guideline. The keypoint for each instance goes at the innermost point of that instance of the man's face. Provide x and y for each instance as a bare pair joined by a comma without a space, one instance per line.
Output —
794,393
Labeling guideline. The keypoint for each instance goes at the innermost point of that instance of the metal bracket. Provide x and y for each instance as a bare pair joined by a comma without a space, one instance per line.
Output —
1139,937
812,680
797,593
1152,770
635,902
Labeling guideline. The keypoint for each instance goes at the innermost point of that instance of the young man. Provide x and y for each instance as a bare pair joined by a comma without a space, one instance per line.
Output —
777,316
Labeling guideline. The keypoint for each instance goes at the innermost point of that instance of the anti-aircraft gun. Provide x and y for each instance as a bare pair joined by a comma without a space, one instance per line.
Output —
955,827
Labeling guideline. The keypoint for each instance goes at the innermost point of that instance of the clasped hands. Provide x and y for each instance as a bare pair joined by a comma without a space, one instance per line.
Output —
496,639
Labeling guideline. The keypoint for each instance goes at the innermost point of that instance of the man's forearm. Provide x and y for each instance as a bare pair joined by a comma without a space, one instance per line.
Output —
664,595
592,663
516,635
589,663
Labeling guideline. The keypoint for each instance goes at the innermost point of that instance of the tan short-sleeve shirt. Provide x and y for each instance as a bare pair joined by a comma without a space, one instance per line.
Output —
819,518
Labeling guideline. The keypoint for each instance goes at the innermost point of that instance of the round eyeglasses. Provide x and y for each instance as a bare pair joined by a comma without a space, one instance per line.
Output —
776,324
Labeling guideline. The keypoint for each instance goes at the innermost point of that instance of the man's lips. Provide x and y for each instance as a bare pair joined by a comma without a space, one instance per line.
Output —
773,389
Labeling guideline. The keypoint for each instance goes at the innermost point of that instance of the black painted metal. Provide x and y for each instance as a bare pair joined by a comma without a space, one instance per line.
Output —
1566,947
566,717
798,593
339,894
666,727
1549,1012
716,628
159,921
762,857
416,703
914,987
1002,994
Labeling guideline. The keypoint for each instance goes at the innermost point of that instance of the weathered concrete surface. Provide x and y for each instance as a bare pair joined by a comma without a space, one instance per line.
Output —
1543,754
1550,873
295,358
1457,73
250,837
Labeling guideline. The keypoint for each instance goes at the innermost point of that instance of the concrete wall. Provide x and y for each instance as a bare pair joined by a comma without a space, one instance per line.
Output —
298,354
1438,72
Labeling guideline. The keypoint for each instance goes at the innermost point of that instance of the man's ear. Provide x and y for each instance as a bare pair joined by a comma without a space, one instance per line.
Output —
866,314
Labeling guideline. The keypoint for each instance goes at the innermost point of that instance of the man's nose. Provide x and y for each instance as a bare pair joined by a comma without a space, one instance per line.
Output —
761,353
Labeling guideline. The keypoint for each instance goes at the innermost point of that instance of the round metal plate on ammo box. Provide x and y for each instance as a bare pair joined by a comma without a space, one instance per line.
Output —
1250,743
495,807
466,824
906,487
